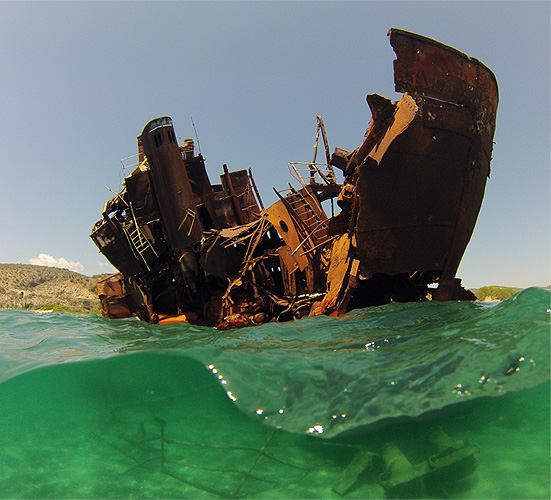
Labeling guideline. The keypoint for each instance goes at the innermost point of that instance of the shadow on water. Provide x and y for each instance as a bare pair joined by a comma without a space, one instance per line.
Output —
159,425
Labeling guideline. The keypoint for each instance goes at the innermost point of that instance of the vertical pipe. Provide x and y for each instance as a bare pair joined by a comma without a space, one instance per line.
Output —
235,201
255,189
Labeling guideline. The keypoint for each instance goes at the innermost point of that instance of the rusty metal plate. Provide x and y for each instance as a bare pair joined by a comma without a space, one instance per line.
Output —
431,68
337,274
280,219
418,207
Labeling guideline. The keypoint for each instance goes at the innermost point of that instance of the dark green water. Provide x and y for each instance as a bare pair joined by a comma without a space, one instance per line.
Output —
92,408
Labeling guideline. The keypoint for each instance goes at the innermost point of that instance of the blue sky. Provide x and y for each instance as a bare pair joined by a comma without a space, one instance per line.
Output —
79,80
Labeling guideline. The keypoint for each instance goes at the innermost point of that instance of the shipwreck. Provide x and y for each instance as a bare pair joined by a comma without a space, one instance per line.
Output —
212,254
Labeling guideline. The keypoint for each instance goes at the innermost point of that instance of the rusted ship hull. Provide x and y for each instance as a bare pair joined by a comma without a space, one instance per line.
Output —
410,196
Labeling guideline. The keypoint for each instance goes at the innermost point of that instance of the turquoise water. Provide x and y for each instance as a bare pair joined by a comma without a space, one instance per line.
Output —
92,408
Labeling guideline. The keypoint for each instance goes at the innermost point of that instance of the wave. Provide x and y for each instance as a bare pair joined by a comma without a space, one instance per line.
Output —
93,408
321,375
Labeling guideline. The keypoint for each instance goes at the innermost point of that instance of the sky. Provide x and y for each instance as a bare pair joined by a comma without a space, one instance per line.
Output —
79,81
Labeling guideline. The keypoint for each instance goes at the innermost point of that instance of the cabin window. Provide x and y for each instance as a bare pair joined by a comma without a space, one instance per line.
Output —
283,226
160,122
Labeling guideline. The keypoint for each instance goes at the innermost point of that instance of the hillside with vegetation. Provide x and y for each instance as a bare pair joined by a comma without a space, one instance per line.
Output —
494,293
40,288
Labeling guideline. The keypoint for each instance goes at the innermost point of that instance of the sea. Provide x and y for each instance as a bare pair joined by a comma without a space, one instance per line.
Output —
425,400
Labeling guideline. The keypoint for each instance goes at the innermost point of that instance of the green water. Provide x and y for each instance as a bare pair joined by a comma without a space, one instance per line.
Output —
92,408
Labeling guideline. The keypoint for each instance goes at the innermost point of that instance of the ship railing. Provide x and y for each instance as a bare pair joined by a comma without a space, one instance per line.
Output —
312,173
129,164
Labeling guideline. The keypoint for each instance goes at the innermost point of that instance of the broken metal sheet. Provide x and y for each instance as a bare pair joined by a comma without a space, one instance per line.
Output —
113,285
288,258
337,274
141,196
233,233
403,116
430,68
239,185
110,238
418,209
219,260
279,217
112,294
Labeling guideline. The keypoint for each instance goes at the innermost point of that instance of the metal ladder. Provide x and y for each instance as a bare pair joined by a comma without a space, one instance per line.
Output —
317,228
140,244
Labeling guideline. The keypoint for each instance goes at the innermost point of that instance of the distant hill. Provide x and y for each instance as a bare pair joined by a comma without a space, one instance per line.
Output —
493,293
40,288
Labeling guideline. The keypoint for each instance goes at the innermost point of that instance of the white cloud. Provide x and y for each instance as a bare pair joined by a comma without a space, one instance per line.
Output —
48,260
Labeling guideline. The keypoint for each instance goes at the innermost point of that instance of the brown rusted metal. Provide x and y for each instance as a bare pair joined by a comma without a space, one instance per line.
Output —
255,189
191,251
235,201
171,184
443,156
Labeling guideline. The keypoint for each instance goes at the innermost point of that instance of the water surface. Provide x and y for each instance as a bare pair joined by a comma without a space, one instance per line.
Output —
93,408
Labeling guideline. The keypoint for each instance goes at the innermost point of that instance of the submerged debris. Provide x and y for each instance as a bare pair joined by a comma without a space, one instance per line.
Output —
400,479
451,463
223,470
228,468
350,477
189,250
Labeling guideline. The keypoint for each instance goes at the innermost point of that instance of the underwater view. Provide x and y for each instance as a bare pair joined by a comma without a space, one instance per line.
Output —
429,400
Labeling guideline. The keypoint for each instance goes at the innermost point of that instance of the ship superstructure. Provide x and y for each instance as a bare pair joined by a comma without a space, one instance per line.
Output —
189,250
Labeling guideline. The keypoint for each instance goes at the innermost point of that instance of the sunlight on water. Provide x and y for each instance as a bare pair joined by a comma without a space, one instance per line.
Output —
405,400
